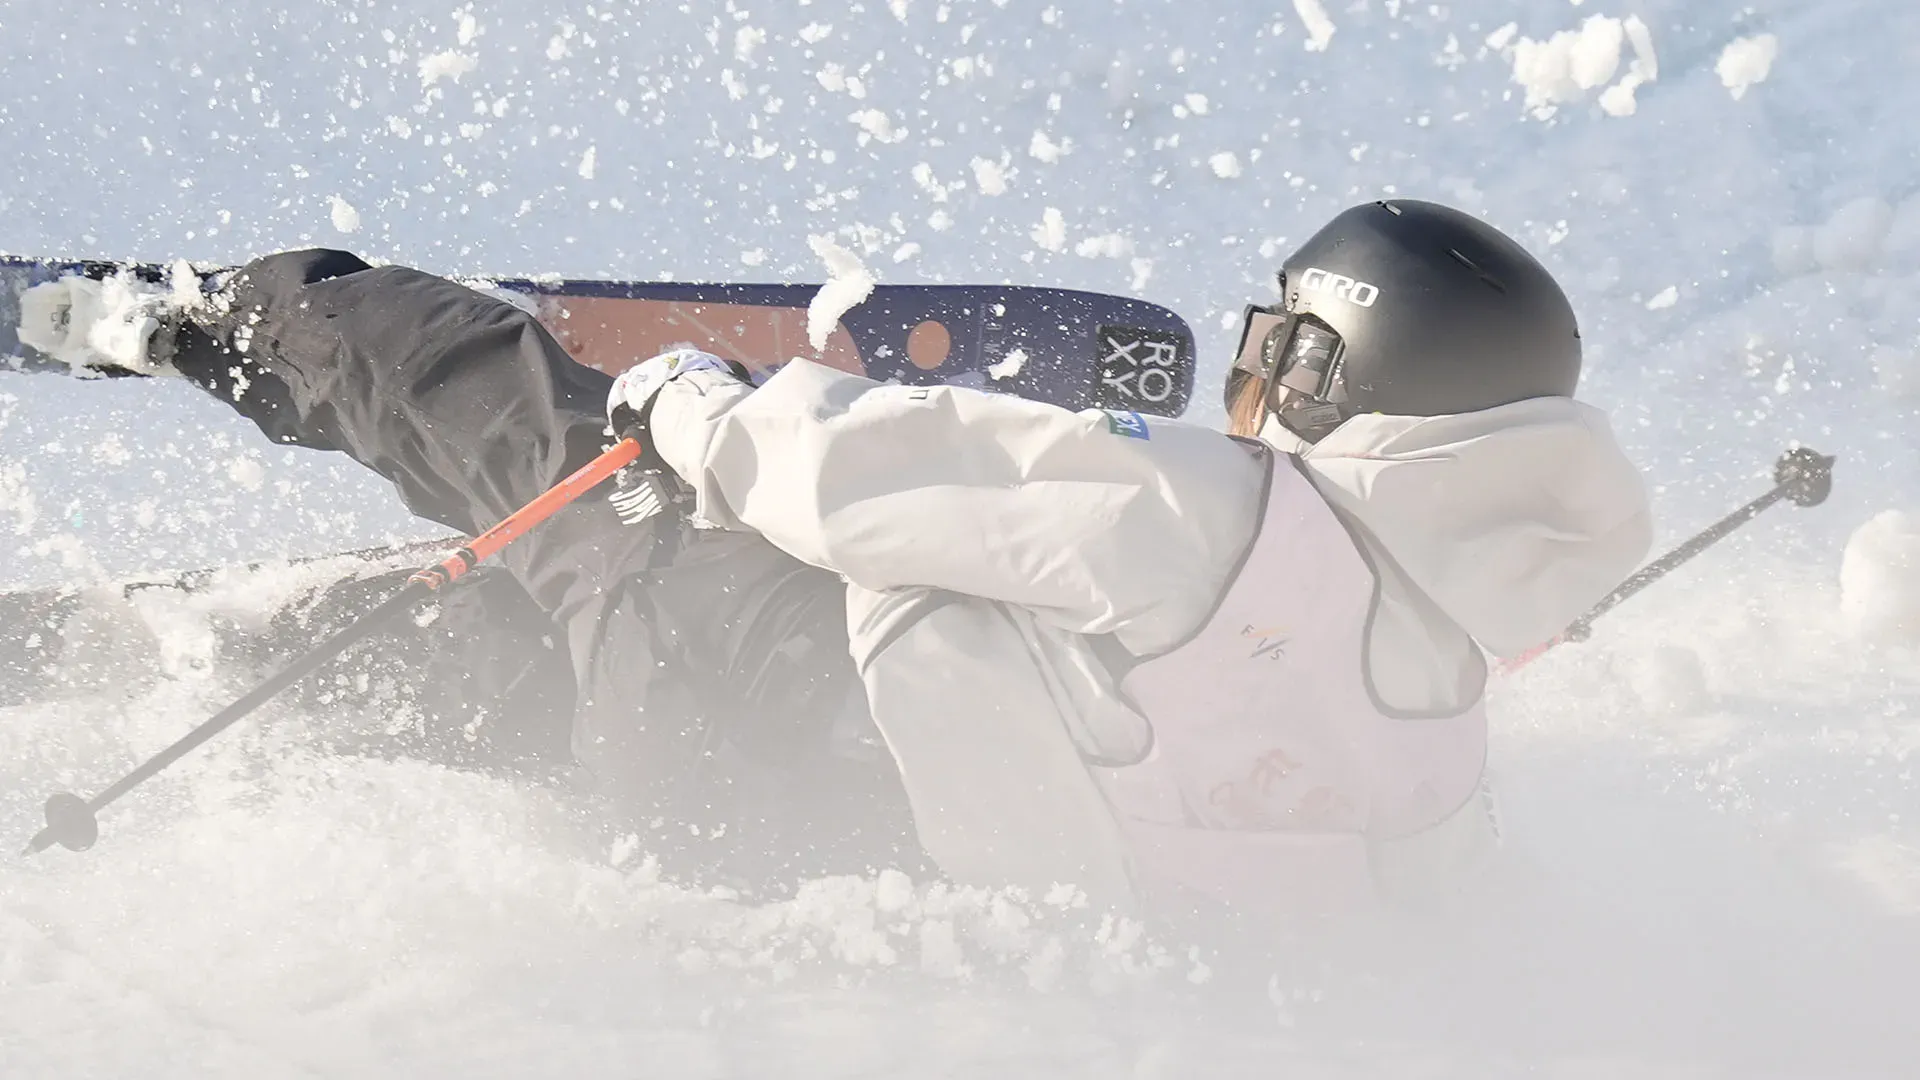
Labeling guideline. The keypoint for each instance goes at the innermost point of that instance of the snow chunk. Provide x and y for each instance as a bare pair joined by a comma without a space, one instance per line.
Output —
990,176
746,41
1645,62
1594,54
1064,896
1880,579
1664,299
1142,271
892,891
922,174
1313,15
1199,974
445,65
1563,68
1051,233
1746,62
1044,149
1008,366
1225,165
849,283
589,162
185,289
1109,246
877,125
1618,99
834,78
247,472
345,218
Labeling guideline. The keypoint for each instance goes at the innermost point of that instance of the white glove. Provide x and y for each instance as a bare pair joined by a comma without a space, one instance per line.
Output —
646,488
94,325
630,401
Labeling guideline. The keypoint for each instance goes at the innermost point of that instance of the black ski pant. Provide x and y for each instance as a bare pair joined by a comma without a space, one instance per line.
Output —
710,675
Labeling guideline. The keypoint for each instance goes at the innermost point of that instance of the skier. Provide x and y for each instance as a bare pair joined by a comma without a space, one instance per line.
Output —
1143,657
1160,662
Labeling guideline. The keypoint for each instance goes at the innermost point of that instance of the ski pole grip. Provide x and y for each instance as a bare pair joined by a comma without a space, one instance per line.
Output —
518,523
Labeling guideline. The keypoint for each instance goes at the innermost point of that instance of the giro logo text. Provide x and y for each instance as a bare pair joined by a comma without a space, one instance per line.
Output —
1340,287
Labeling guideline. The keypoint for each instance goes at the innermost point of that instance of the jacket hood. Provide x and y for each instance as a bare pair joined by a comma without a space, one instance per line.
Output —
1513,520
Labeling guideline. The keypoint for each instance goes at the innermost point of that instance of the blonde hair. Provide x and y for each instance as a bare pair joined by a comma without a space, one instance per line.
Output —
1247,412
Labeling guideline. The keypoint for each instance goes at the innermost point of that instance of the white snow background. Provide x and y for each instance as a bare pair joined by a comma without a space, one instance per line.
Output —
1714,867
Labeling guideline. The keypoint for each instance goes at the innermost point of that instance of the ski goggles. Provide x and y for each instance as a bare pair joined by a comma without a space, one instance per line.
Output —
1296,351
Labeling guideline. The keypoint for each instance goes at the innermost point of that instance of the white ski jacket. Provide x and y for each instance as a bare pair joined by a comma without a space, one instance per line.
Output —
1021,575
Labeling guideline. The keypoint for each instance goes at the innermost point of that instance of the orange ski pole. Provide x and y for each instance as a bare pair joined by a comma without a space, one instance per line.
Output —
72,822
518,523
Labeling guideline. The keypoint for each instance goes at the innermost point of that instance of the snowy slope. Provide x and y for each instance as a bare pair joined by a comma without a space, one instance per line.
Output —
1716,864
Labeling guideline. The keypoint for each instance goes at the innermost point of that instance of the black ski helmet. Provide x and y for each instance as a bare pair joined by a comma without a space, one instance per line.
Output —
1412,309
